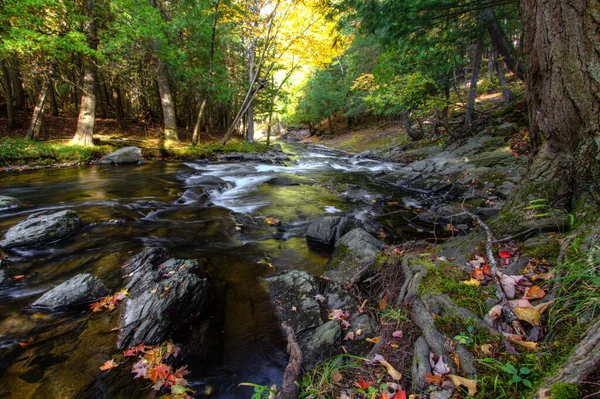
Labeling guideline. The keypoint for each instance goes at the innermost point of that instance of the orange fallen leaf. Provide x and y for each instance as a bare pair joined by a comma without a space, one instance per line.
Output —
26,344
433,379
19,277
362,384
109,365
383,303
535,292
401,394
477,274
373,340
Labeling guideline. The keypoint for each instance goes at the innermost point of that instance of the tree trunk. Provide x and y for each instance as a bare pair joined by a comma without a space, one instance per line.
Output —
118,108
166,102
415,135
506,92
53,105
18,87
563,94
502,45
36,119
330,124
10,112
87,109
474,79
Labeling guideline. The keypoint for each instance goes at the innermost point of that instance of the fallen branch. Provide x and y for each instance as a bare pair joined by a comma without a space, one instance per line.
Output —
290,387
507,311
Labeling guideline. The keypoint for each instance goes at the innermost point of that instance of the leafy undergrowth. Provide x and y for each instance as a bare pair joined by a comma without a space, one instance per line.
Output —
16,151
205,150
510,365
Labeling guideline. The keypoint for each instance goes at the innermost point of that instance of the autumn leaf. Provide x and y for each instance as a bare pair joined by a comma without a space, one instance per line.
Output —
487,349
383,303
337,377
19,277
362,384
471,385
373,340
509,284
542,307
472,282
272,221
477,274
397,334
109,365
401,394
529,315
534,292
532,346
392,372
349,336
433,379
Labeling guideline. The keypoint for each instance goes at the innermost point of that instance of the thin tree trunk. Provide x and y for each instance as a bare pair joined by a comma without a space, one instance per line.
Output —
10,112
330,124
53,106
36,119
75,99
502,45
87,108
18,87
506,92
269,128
118,109
166,102
474,78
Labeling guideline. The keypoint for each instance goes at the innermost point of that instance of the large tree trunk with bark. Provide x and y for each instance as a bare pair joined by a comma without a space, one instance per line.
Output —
168,107
562,44
87,108
10,112
477,54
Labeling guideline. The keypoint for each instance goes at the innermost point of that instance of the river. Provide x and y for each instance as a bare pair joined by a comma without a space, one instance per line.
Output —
127,208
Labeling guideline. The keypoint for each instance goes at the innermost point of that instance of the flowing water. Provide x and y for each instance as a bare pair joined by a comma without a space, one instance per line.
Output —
127,208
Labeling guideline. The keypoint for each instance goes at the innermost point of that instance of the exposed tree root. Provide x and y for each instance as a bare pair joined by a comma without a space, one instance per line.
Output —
579,365
438,343
413,274
420,365
290,387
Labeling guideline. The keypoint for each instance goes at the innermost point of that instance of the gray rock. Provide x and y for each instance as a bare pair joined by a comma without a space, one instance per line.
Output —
2,276
195,194
355,251
506,129
285,181
41,228
453,214
505,189
295,134
211,183
293,295
320,343
487,212
489,159
121,156
81,289
272,157
8,202
329,229
164,295
445,394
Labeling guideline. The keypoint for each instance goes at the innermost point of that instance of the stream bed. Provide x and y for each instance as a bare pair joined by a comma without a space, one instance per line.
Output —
127,208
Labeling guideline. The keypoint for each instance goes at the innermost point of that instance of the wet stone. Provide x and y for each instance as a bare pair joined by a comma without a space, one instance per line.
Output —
329,229
126,155
41,228
8,202
81,289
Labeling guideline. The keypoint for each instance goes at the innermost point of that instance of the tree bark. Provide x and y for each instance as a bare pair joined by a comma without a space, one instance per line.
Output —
166,102
502,45
506,92
87,109
10,112
35,126
53,105
477,54
413,134
118,108
18,86
563,93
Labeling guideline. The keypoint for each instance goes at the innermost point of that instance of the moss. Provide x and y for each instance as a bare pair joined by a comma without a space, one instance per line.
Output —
562,390
545,251
446,278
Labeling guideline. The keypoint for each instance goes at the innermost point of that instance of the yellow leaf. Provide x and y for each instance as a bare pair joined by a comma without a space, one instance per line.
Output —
532,346
487,349
474,282
529,315
471,385
395,374
109,365
373,340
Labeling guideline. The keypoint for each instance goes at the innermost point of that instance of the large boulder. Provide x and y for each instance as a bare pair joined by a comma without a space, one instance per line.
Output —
164,294
304,302
7,202
81,289
354,253
123,156
329,229
41,228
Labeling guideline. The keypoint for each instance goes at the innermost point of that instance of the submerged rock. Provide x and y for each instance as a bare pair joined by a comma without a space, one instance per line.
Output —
79,290
196,194
121,156
354,252
211,183
8,202
304,302
164,294
41,228
329,229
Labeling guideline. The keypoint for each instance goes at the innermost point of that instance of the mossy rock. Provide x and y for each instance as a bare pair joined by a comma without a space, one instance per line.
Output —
561,390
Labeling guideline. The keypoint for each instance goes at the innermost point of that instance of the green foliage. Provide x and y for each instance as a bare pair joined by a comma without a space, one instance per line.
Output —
22,151
260,391
466,338
318,382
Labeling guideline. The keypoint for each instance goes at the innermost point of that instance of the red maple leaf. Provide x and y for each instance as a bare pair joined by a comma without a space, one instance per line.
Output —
162,370
363,384
401,394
